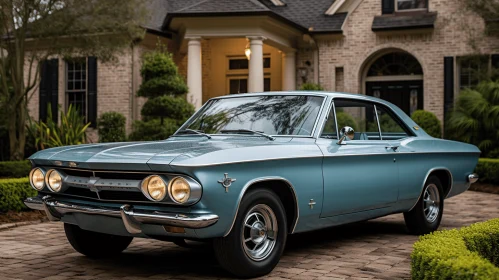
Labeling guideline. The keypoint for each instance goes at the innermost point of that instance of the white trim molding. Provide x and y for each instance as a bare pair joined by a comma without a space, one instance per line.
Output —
278,3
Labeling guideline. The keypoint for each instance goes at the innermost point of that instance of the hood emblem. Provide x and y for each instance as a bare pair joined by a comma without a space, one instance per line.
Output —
73,164
226,182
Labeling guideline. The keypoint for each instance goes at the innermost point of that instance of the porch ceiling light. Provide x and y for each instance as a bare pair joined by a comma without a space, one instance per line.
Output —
247,51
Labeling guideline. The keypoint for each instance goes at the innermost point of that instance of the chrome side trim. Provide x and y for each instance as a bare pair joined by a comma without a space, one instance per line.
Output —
263,179
133,219
473,178
426,178
314,156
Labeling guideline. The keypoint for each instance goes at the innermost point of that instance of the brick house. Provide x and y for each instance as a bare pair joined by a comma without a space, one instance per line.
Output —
409,52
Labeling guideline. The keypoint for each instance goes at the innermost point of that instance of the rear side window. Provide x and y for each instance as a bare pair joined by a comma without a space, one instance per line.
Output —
391,126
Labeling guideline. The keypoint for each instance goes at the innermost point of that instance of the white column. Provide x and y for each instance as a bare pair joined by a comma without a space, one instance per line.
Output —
194,72
255,79
289,71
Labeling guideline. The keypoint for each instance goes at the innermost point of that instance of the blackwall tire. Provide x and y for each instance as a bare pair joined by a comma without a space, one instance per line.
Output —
256,243
426,215
94,244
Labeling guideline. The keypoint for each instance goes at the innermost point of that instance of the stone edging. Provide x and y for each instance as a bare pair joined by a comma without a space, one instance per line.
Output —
20,224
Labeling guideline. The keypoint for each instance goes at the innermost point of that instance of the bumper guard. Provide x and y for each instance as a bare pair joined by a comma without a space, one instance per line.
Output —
132,218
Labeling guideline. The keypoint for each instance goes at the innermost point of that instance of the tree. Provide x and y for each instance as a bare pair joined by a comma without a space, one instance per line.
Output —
34,30
475,118
166,108
488,10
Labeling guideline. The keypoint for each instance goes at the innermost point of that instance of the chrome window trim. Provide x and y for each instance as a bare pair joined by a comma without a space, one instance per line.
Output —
263,179
426,178
336,121
377,120
384,106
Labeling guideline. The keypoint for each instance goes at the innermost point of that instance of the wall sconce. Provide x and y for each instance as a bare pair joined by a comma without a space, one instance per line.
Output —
247,51
303,73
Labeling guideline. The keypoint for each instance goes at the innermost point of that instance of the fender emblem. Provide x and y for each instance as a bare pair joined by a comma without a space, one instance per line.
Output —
226,182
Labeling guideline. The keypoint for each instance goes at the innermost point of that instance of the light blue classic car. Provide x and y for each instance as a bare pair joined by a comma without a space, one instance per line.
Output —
247,170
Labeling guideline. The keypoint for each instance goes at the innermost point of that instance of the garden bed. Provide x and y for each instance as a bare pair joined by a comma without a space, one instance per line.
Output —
486,188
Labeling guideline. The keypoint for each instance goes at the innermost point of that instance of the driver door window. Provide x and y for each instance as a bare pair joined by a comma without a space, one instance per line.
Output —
360,116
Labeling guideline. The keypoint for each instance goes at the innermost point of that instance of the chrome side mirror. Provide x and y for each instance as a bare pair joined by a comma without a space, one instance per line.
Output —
346,132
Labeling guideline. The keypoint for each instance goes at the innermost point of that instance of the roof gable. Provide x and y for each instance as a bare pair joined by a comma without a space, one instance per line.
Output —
307,15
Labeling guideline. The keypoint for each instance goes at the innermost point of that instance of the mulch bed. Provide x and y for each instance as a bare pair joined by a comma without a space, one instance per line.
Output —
486,188
26,216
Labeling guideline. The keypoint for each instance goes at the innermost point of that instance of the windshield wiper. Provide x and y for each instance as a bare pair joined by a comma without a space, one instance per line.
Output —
250,131
187,130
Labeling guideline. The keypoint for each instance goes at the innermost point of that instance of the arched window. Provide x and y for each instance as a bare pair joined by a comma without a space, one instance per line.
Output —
395,64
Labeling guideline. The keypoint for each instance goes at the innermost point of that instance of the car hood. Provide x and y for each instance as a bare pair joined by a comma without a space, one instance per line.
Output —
161,155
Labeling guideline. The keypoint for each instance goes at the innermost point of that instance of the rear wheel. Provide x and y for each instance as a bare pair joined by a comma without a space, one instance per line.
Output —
255,245
426,215
95,244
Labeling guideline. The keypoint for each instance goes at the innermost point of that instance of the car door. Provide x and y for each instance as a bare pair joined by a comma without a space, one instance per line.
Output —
359,174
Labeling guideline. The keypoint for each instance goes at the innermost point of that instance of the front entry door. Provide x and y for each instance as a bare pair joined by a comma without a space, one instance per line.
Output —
407,95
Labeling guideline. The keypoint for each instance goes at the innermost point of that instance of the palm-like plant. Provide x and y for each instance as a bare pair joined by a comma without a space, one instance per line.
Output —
475,118
70,131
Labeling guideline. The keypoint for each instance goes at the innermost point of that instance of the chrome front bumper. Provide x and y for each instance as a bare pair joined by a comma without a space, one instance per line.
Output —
132,218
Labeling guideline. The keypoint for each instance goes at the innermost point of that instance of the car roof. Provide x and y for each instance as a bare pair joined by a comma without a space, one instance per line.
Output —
310,93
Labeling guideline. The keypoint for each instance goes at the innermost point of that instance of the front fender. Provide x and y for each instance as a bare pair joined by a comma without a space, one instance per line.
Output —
304,176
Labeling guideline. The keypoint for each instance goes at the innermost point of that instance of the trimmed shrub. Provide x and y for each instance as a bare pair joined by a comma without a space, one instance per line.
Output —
312,87
428,122
488,170
112,127
468,253
14,169
153,130
13,192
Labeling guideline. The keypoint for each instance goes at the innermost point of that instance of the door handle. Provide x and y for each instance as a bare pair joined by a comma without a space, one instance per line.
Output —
393,148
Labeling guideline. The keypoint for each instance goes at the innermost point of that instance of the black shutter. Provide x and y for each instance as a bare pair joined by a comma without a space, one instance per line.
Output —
495,61
54,88
49,88
387,6
92,91
448,85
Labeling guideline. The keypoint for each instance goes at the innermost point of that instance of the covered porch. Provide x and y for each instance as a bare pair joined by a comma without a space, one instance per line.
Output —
231,55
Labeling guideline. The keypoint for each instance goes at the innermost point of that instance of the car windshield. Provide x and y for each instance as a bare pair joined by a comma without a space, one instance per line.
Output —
272,115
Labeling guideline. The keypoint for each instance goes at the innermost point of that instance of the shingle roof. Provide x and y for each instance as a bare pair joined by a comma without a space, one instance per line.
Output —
307,15
310,14
156,13
397,21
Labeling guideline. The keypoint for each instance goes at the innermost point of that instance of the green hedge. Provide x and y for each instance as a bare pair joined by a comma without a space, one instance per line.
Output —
428,122
13,192
469,253
488,170
14,169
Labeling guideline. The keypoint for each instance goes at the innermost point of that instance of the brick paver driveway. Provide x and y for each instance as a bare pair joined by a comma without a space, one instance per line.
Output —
378,249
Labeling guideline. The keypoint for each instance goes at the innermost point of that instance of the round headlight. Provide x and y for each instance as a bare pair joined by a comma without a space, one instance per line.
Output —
54,180
37,179
156,188
180,190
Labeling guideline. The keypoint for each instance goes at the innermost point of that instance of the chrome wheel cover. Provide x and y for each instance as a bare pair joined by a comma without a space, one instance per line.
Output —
431,203
259,232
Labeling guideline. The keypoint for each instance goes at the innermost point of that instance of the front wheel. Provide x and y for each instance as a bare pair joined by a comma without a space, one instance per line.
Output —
255,245
426,215
95,244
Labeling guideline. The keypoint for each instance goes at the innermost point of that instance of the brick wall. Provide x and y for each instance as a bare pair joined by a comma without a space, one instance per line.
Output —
353,51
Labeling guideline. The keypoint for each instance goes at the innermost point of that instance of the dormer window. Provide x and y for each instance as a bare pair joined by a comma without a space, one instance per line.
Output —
411,5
